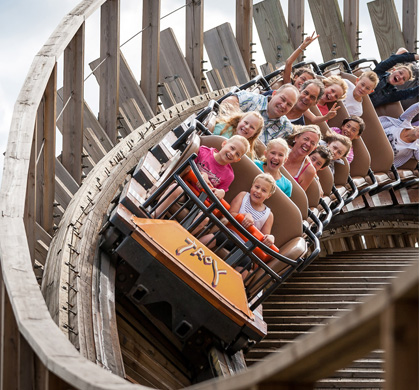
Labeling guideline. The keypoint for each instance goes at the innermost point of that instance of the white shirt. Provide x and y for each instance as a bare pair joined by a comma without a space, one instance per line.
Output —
352,105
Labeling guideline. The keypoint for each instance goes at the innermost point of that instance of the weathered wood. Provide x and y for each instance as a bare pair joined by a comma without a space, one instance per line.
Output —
266,68
215,79
244,30
194,22
172,64
166,96
296,23
150,51
273,31
30,204
134,115
110,70
73,92
329,25
409,24
386,26
223,50
229,76
177,88
351,24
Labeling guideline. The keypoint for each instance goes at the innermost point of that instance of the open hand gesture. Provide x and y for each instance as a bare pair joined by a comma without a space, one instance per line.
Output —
308,40
333,112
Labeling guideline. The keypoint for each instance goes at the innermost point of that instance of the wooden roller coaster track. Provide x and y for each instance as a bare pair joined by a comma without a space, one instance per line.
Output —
60,336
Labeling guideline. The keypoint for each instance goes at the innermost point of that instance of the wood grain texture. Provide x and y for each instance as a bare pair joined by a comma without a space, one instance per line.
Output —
329,25
386,26
273,31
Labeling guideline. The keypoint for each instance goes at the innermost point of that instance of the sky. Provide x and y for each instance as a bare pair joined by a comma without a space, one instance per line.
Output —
26,25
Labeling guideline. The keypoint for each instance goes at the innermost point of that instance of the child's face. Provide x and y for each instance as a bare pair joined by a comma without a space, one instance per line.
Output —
260,191
351,129
276,156
248,126
231,151
364,87
398,76
317,161
332,93
337,149
299,80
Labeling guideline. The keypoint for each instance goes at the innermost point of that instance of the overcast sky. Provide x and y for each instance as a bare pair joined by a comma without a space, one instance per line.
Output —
25,25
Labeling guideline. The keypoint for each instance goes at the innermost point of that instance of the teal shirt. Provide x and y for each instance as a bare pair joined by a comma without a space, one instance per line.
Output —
283,183
219,127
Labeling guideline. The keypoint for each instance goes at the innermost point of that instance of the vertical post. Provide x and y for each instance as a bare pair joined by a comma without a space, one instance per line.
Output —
73,112
296,22
46,219
351,25
194,39
410,24
150,51
400,340
244,30
110,69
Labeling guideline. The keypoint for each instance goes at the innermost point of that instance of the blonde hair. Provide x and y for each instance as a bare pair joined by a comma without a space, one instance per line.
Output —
407,67
275,142
331,80
233,121
269,179
241,139
371,75
298,129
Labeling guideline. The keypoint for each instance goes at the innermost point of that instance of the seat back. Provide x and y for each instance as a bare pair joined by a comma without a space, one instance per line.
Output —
341,173
313,194
327,180
298,194
374,136
287,217
361,160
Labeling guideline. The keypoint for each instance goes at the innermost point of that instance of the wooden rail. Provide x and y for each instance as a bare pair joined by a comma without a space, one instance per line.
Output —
37,188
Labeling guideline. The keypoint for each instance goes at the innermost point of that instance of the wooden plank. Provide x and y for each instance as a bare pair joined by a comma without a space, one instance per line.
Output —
178,89
409,22
110,69
332,36
30,203
400,340
134,115
223,50
244,30
166,96
124,126
73,91
173,65
386,26
194,25
215,79
150,51
351,25
229,76
296,22
266,68
273,31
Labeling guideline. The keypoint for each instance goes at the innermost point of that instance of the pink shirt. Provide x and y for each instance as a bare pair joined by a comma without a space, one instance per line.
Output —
220,176
324,109
350,155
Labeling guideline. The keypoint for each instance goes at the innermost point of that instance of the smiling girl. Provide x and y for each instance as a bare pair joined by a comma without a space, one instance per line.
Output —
246,124
274,158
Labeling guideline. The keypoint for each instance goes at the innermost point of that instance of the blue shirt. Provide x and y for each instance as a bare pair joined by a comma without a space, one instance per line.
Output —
283,183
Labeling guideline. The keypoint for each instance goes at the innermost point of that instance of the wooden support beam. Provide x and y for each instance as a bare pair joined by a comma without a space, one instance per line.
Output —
386,26
244,31
400,340
351,25
30,199
110,69
73,92
46,169
332,36
296,22
273,31
150,51
409,22
172,64
223,50
194,22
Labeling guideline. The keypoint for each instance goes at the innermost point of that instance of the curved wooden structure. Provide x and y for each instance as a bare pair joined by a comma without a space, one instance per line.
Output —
52,213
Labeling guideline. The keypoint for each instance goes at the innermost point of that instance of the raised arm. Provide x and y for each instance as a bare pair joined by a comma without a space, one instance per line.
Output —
287,73
315,119
410,112
395,59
